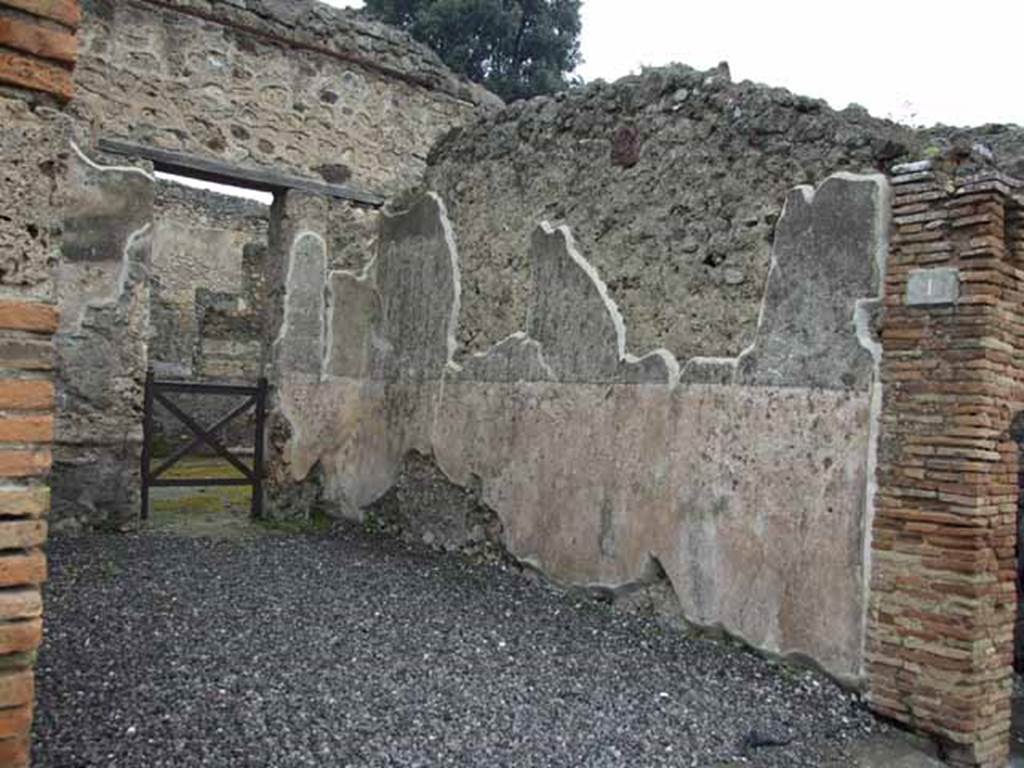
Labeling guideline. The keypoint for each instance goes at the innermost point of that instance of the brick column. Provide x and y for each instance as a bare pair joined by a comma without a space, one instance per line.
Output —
26,430
37,53
943,597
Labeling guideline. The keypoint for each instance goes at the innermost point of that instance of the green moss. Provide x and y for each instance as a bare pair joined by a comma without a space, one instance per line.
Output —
203,501
161,447
168,502
371,523
192,468
317,522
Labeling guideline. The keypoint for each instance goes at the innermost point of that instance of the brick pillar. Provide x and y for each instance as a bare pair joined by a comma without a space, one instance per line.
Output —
37,53
26,430
943,597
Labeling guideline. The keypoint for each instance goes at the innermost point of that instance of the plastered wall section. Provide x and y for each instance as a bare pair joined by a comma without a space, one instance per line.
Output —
748,483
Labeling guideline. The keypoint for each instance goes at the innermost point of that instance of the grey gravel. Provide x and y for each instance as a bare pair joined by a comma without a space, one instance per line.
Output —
350,650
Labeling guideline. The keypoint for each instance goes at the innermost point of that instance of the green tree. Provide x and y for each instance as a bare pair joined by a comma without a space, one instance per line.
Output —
516,48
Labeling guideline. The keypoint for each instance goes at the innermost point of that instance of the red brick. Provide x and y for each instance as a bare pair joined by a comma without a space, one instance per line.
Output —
26,429
26,354
14,753
67,12
24,603
35,74
18,570
39,40
26,395
15,721
943,598
25,463
22,534
20,636
25,502
17,688
28,316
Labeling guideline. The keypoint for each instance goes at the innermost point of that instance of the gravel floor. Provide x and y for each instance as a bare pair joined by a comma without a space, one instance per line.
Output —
343,649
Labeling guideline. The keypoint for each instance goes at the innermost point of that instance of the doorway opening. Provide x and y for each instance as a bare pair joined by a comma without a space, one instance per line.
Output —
207,313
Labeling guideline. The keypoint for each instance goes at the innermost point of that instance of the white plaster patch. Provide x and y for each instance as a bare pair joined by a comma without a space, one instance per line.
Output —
862,326
453,252
591,272
365,276
105,168
860,323
519,337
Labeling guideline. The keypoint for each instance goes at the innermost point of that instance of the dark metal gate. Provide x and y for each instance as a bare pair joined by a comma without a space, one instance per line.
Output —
255,398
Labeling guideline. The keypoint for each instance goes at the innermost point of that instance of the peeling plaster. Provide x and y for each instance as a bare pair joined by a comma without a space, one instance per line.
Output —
668,467
104,168
120,282
449,238
862,325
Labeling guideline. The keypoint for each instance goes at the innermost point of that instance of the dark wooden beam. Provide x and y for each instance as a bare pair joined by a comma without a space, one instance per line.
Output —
218,172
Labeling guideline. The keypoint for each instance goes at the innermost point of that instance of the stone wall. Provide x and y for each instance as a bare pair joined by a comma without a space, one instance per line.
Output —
672,181
37,51
599,468
199,250
944,548
293,85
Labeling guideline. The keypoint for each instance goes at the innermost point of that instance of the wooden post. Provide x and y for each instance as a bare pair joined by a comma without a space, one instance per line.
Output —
147,439
257,484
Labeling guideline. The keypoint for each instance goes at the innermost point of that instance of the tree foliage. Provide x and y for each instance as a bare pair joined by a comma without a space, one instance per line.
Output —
516,48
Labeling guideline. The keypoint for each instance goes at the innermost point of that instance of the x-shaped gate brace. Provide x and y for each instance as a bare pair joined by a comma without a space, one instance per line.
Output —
256,398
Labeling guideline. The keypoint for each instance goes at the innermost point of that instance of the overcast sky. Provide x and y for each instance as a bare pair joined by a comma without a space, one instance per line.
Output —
918,61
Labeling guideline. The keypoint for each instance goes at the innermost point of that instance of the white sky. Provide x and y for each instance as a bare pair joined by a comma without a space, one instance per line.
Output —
918,61
224,189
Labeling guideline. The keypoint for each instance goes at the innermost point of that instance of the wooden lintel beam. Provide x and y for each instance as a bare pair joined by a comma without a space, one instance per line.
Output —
262,179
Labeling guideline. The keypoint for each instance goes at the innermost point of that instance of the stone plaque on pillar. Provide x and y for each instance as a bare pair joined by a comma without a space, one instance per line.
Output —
933,287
